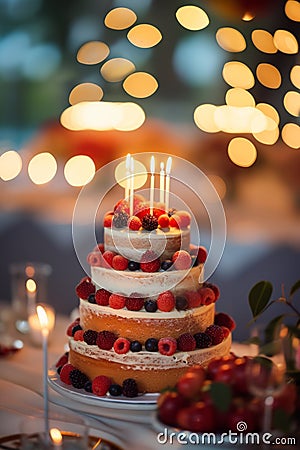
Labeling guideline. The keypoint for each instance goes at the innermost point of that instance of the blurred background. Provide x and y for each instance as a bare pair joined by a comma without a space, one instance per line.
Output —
196,66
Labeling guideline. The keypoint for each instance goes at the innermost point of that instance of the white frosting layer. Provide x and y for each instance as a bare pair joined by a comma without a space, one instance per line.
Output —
147,360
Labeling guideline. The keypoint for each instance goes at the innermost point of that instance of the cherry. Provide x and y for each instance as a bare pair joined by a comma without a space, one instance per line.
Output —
190,384
169,403
197,417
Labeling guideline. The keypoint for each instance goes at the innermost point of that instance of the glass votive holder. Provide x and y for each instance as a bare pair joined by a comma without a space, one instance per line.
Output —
35,331
29,282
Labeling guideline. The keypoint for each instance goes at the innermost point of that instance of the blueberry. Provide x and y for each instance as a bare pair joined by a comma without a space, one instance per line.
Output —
135,346
150,305
91,298
76,328
181,303
166,265
151,345
115,390
88,386
133,265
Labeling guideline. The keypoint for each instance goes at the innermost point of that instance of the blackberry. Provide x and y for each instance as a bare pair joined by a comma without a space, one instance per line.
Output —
181,303
90,337
135,346
133,265
150,305
91,298
76,328
149,222
78,378
166,265
203,340
115,390
88,386
171,211
120,219
130,388
151,345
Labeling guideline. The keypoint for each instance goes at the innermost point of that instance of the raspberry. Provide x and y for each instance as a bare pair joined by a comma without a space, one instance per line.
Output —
130,388
216,333
108,220
102,297
78,379
119,262
149,262
167,346
108,256
149,222
84,289
174,221
182,260
185,219
134,304
193,299
100,385
159,211
116,301
186,342
142,212
106,339
90,337
99,248
71,326
94,259
76,327
201,254
226,332
78,335
166,301
121,346
163,221
207,295
65,373
134,223
120,219
215,288
224,320
203,340
62,360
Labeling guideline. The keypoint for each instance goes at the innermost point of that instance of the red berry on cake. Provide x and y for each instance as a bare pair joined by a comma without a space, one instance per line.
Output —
182,260
107,221
142,211
158,211
226,332
121,206
193,299
121,346
62,360
185,218
201,254
224,320
167,346
99,248
78,335
84,289
214,287
100,385
119,262
106,339
163,221
175,221
186,343
108,256
216,333
150,262
95,259
134,223
207,296
149,222
65,373
166,301
134,303
102,297
71,326
116,301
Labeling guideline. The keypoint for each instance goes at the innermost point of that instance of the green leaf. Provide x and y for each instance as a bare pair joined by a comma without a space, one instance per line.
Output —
221,395
259,297
295,287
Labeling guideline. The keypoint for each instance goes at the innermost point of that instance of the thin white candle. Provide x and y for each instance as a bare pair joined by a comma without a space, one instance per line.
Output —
168,171
43,318
131,185
152,170
162,183
31,295
127,188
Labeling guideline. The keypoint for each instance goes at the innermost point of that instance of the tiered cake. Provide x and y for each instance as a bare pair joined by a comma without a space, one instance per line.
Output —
145,313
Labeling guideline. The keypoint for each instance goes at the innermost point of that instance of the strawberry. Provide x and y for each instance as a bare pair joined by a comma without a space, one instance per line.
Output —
166,301
108,256
119,262
100,385
163,221
174,221
116,301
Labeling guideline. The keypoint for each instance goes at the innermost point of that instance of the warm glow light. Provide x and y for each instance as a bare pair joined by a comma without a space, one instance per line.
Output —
263,41
290,134
248,16
270,135
204,118
144,36
79,170
295,76
132,116
140,84
120,18
242,152
269,111
219,185
231,39
42,168
30,271
292,10
92,52
285,41
192,17
85,92
42,315
56,436
268,75
239,97
237,74
10,165
232,119
30,285
139,174
117,69
291,102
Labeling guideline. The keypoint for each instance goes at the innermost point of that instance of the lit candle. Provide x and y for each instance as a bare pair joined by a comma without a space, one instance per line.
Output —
131,186
35,332
127,188
31,295
152,170
162,183
168,171
43,318
56,438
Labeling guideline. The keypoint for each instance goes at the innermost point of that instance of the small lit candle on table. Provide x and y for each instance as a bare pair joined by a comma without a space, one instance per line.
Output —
152,170
162,183
31,295
168,171
56,438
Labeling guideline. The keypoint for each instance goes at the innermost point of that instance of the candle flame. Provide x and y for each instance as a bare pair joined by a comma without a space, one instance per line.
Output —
30,271
31,285
152,165
248,16
42,315
169,165
56,436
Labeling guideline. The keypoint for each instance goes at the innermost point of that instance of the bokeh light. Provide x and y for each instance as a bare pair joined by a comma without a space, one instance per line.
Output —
286,42
117,69
10,165
290,134
263,41
144,35
232,119
291,102
268,136
242,152
92,52
269,111
238,74
132,116
268,75
120,18
204,118
79,170
219,185
295,76
42,168
192,17
239,97
85,92
231,39
140,174
292,10
140,84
